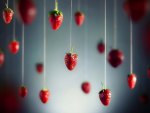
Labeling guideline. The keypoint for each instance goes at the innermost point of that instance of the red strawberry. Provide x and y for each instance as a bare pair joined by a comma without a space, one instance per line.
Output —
14,47
131,81
55,19
148,72
105,96
115,58
144,98
2,58
136,9
39,68
7,15
27,11
44,95
71,60
101,47
86,87
79,18
23,91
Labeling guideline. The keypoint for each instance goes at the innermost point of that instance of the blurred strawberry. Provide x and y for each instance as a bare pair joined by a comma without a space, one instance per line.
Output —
79,18
115,58
39,68
7,15
71,60
105,96
23,91
2,58
101,47
144,98
136,9
131,81
55,19
27,11
44,95
14,47
86,87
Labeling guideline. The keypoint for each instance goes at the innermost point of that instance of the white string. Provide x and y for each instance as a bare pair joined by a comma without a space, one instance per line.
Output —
115,24
14,24
131,47
22,54
44,74
79,5
71,26
7,3
86,43
56,4
105,44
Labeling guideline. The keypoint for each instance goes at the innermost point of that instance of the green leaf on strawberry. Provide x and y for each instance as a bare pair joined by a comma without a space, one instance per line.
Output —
56,13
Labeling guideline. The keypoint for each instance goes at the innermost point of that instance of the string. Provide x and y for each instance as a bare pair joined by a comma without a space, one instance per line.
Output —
7,2
71,26
44,77
86,43
131,46
105,45
115,24
56,5
79,5
14,25
22,54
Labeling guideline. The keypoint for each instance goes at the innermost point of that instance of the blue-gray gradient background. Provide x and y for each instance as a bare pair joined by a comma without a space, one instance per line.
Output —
66,95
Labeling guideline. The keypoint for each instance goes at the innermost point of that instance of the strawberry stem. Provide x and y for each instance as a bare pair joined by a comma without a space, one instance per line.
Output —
103,87
56,5
6,5
71,50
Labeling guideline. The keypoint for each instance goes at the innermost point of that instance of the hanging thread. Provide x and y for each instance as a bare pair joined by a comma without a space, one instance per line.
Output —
22,54
105,43
115,24
14,24
71,26
78,5
131,47
7,2
44,73
56,5
86,42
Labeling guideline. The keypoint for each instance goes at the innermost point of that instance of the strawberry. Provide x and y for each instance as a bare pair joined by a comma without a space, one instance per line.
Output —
39,68
2,58
86,87
115,58
148,72
44,95
71,60
23,91
27,11
101,47
55,19
105,96
7,15
14,47
136,9
79,18
131,81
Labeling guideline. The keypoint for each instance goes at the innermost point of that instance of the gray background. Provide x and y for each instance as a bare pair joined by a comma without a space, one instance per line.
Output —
66,95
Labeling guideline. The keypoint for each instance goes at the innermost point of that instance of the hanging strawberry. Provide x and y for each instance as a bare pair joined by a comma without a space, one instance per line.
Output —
7,14
23,91
79,18
86,87
115,58
55,18
136,9
131,81
105,96
71,60
44,95
101,47
39,68
148,72
2,58
27,11
14,47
